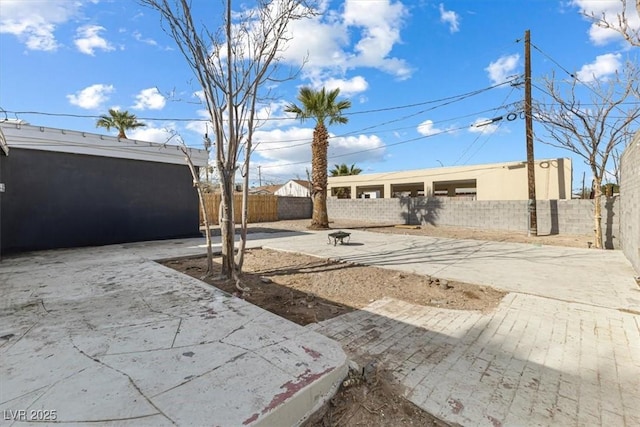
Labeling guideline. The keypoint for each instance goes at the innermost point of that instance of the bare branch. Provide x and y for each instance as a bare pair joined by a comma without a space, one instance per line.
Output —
619,23
593,133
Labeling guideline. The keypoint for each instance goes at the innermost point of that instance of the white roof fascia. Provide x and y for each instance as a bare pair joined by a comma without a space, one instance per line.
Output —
67,141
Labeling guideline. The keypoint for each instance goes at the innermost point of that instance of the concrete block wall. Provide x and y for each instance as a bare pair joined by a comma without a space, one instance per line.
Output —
294,208
630,203
554,216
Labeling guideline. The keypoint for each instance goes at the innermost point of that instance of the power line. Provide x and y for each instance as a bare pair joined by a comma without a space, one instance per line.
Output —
377,148
448,100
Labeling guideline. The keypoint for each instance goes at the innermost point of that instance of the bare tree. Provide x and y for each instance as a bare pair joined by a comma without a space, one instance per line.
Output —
619,23
595,129
232,65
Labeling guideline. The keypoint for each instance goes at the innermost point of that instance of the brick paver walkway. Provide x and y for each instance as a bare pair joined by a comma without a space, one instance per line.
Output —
533,361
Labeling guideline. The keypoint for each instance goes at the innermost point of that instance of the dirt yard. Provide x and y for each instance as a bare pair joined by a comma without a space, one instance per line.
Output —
306,289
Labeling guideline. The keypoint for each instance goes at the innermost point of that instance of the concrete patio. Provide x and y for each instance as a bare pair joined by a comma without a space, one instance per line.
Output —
106,336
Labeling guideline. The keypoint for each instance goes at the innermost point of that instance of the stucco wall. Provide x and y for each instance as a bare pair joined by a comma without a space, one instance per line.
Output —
57,200
630,203
554,216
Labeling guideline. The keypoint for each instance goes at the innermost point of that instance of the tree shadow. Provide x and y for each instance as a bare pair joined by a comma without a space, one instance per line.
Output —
608,232
553,211
420,210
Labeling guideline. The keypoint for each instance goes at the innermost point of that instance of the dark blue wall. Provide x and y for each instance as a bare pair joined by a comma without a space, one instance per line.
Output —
61,200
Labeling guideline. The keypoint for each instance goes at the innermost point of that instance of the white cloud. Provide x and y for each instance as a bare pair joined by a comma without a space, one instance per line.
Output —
319,43
380,23
34,22
325,40
602,67
91,97
610,10
450,17
356,149
88,39
290,145
348,87
161,135
287,153
138,36
149,99
500,70
427,128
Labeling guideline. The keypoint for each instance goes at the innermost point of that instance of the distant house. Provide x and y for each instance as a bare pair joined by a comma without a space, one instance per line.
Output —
294,188
62,188
265,189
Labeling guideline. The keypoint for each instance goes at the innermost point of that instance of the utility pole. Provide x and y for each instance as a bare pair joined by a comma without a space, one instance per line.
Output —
260,175
531,174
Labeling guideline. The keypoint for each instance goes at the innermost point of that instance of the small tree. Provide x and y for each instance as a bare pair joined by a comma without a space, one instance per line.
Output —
232,66
344,170
120,120
592,131
619,22
322,106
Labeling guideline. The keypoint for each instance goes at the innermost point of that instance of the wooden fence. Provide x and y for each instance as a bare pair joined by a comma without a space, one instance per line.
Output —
261,208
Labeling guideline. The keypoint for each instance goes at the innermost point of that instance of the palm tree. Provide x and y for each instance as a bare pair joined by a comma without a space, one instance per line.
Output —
344,170
322,106
120,120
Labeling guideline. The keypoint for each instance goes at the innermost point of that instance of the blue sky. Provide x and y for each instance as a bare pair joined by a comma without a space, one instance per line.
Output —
64,62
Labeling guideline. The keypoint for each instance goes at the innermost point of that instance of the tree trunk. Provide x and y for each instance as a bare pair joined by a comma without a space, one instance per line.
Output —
319,152
597,211
227,228
245,214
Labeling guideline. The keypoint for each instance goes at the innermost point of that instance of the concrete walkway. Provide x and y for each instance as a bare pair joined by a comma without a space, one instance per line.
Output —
563,348
107,337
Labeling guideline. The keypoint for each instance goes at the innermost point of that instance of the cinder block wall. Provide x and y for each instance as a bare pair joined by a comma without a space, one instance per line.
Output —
554,216
630,203
294,207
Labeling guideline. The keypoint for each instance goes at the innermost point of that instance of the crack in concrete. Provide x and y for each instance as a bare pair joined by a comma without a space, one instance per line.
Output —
22,336
195,377
23,395
153,310
131,381
46,388
43,306
105,419
175,336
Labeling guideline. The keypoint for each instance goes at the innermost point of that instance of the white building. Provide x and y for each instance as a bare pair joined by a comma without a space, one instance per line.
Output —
294,188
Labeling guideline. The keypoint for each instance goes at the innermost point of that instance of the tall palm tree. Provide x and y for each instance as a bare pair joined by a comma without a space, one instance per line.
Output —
120,120
323,107
344,170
